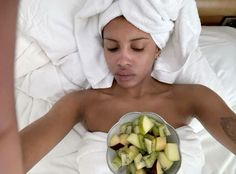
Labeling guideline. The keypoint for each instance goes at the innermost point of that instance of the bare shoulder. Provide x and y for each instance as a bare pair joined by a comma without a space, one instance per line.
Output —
78,99
203,99
194,92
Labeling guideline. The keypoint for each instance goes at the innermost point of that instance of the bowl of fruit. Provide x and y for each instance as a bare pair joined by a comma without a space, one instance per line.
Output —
143,143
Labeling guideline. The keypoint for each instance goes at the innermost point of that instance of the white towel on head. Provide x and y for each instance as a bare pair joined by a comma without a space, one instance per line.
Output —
92,153
177,19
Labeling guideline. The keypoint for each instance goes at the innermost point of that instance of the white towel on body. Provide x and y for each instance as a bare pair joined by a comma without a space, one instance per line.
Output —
173,24
92,153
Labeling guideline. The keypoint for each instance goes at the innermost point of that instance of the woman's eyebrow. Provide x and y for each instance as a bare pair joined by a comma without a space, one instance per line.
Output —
105,38
139,38
134,39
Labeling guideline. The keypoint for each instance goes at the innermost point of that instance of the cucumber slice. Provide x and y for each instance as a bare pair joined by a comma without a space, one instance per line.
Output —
134,149
136,122
128,129
139,162
127,155
116,162
148,145
172,151
131,169
145,124
141,142
155,131
154,145
164,161
136,129
160,143
150,159
124,126
164,131
148,136
156,123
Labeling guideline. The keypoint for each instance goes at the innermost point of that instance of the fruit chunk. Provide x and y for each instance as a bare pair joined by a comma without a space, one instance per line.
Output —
164,161
127,154
155,131
134,139
131,169
158,168
116,162
145,124
148,145
160,143
140,171
115,142
123,139
164,131
172,151
115,139
123,127
139,162
141,142
150,159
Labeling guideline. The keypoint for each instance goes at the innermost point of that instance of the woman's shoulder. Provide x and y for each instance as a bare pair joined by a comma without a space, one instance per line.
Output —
197,95
87,95
190,89
193,93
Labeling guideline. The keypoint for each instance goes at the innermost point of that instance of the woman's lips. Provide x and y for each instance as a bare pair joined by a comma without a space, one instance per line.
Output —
124,76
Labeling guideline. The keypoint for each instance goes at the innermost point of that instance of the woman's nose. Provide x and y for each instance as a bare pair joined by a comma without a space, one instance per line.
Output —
124,58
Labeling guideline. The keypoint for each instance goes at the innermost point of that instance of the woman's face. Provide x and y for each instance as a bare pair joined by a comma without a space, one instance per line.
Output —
129,52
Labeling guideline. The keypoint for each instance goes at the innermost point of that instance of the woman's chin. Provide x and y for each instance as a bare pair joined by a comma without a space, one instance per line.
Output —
126,84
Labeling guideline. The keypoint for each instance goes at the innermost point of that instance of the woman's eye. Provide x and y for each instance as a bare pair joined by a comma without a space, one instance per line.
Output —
112,49
138,49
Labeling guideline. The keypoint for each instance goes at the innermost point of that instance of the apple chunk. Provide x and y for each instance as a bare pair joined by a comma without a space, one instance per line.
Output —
172,151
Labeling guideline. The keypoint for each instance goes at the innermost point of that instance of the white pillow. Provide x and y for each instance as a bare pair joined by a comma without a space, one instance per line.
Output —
218,45
50,23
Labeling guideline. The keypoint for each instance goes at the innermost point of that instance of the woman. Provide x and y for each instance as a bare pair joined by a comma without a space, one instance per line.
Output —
130,54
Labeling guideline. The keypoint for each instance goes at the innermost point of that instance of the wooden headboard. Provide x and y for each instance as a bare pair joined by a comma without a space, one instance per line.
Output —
213,12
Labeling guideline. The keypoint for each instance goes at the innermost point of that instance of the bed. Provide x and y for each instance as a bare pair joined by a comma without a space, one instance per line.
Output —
46,49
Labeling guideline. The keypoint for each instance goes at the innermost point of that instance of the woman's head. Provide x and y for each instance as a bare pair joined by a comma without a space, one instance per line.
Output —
129,52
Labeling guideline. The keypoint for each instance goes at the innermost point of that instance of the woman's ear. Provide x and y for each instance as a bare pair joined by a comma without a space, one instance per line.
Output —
158,52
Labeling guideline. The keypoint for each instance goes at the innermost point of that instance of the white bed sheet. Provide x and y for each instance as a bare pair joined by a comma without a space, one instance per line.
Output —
35,94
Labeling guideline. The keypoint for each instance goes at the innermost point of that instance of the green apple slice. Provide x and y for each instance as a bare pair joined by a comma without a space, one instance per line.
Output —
160,143
164,161
172,151
145,124
134,139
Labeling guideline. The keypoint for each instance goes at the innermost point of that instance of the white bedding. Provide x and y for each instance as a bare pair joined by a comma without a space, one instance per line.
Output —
44,54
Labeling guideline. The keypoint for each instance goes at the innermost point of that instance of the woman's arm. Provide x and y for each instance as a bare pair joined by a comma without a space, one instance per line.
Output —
42,135
216,116
10,150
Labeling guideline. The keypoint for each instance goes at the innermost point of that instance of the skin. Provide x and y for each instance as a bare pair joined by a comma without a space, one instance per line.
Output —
10,150
130,54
